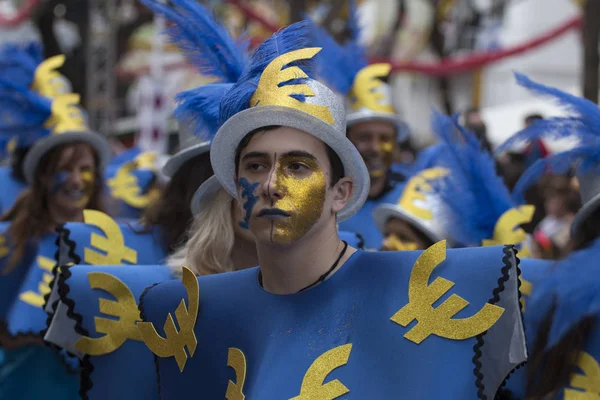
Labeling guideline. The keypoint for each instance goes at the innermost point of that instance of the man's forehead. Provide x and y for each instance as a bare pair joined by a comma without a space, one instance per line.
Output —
373,128
282,142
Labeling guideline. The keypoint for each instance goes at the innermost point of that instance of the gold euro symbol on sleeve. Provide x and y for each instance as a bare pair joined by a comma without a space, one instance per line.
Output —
36,299
175,342
116,331
416,190
113,244
364,91
438,321
269,93
125,185
47,81
312,384
589,382
236,360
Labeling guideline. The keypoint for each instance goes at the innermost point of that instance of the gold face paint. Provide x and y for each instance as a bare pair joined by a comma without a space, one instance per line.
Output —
88,177
393,243
302,196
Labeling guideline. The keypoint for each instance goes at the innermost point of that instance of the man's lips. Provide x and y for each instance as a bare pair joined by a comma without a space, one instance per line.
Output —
273,213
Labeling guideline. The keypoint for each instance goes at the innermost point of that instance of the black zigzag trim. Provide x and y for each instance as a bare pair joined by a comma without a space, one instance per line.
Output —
508,254
85,383
50,314
143,317
507,393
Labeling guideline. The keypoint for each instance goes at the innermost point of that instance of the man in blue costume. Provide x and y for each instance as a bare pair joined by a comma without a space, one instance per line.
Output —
319,319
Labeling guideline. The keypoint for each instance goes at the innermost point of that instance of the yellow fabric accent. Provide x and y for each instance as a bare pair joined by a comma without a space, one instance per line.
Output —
507,229
116,331
125,186
364,93
589,381
175,342
113,244
438,321
313,387
269,93
46,79
36,299
416,189
236,360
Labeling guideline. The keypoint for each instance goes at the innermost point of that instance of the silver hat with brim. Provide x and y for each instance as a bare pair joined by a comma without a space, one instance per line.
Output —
46,144
177,160
204,194
589,190
382,213
233,131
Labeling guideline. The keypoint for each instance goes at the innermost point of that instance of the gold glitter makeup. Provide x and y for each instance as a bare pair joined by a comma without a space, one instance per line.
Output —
303,196
88,177
393,243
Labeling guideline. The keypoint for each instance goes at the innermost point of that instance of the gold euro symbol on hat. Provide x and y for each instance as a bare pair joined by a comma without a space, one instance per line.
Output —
116,331
366,90
175,342
47,81
438,321
113,243
416,190
125,185
589,381
270,93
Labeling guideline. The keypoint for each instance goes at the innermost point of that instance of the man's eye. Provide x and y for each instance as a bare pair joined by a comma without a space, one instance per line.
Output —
255,167
298,167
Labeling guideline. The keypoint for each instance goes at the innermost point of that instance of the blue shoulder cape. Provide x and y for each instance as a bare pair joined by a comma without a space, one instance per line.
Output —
353,334
95,318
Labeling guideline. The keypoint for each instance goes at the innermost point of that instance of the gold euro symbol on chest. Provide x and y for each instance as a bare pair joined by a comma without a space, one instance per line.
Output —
113,242
116,331
587,385
34,298
175,342
125,185
438,321
313,386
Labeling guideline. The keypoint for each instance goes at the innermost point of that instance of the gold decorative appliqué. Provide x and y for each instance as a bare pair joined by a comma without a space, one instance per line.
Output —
269,93
176,341
366,90
313,386
113,244
416,190
588,382
125,185
116,331
438,321
236,360
36,299
507,229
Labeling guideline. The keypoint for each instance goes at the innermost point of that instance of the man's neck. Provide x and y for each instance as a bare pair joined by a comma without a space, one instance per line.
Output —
377,187
243,254
289,269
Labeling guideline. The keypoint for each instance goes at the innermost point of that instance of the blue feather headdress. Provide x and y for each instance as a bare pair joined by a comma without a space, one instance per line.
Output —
213,52
293,37
583,125
573,288
338,64
474,196
22,111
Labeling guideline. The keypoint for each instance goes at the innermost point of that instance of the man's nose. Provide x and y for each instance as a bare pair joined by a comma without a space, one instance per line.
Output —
272,186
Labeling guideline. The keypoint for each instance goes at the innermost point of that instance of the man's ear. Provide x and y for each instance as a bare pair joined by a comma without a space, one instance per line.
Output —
342,191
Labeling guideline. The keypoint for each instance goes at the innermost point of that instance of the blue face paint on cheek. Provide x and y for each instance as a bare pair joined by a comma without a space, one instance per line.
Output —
251,200
60,180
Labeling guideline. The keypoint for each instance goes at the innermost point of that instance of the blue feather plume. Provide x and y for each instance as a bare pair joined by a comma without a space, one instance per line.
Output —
293,37
583,125
205,42
474,195
18,62
573,288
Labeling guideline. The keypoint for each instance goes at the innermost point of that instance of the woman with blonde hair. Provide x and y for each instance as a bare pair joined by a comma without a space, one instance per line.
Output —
216,242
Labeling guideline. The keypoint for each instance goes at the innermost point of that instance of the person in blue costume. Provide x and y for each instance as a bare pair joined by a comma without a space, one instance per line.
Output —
563,313
372,123
132,183
317,318
461,199
63,169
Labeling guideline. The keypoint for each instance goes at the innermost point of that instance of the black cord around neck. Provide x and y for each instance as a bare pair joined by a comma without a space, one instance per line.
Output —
322,277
